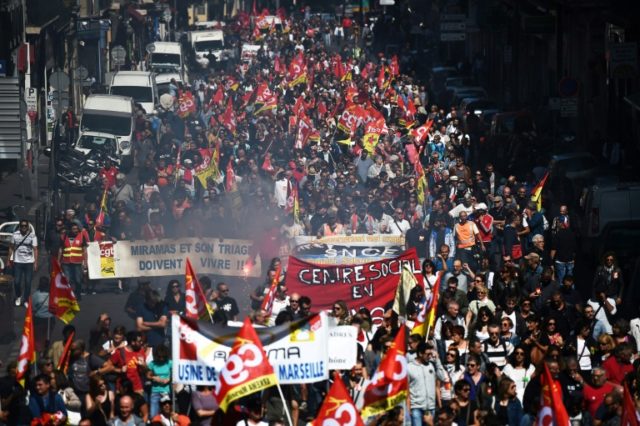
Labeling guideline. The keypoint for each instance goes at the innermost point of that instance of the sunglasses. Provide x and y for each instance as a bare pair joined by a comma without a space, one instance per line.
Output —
472,365
519,353
293,300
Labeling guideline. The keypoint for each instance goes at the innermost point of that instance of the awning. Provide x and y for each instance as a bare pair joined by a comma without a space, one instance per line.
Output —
633,100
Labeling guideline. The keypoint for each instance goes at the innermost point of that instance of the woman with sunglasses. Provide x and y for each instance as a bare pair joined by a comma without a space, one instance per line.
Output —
466,408
508,407
550,334
480,327
454,370
519,369
474,376
340,312
174,298
482,301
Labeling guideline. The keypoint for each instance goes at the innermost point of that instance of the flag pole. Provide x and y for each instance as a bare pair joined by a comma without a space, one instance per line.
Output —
284,404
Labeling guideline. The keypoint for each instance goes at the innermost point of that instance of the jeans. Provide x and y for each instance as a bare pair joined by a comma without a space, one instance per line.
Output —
563,269
417,414
154,404
73,272
22,271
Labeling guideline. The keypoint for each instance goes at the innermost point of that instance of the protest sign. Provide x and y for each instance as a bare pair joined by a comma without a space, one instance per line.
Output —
298,351
156,258
346,249
370,285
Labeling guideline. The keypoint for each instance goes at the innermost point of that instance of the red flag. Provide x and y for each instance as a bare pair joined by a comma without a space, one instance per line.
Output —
247,369
297,71
63,362
389,385
401,105
552,409
427,315
366,70
267,302
228,117
186,105
62,301
629,412
277,66
322,109
536,193
305,128
230,178
411,109
395,66
420,133
219,96
338,407
27,346
380,79
195,300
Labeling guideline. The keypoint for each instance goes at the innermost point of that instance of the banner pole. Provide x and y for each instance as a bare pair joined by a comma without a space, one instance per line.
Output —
284,404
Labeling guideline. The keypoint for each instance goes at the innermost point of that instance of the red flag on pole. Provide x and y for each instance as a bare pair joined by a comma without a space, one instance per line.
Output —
62,301
267,302
247,369
552,409
338,407
389,386
27,346
195,300
63,362
629,412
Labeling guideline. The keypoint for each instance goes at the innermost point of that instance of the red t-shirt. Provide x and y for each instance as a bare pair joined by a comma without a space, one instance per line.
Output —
615,370
594,396
132,360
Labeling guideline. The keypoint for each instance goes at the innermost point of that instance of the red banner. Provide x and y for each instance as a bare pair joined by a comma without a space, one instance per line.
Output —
371,285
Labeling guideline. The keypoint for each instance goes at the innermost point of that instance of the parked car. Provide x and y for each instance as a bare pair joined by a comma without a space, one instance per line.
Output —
606,205
6,231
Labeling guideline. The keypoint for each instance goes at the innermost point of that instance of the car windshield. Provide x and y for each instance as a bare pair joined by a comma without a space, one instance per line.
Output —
139,94
165,59
115,125
97,142
206,45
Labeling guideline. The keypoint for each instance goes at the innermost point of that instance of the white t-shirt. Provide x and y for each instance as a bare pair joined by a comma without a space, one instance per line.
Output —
23,246
601,313
520,376
398,227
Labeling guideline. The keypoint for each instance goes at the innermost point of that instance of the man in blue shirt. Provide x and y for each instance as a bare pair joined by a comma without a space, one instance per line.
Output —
45,402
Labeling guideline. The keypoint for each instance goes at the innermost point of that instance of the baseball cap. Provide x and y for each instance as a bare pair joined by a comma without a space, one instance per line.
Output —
165,398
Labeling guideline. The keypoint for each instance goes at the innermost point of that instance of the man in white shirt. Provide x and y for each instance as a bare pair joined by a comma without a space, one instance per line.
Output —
398,225
280,303
23,256
603,306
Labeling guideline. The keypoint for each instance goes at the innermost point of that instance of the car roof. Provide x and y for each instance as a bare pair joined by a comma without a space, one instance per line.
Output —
166,47
132,78
166,77
108,103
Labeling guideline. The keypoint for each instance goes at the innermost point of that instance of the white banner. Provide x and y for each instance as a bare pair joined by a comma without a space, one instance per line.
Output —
343,341
158,258
346,249
297,351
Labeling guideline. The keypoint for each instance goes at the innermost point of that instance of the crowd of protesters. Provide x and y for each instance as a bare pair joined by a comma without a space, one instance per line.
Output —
508,301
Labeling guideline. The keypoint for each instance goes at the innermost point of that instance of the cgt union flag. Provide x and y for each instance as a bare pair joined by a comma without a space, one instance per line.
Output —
247,369
389,386
195,301
27,354
338,408
62,301
552,410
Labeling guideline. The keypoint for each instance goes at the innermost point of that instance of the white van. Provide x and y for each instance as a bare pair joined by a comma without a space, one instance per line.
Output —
140,85
166,57
108,117
204,42
608,204
163,81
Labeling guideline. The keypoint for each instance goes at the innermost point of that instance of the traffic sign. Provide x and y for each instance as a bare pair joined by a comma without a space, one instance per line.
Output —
31,98
118,55
59,81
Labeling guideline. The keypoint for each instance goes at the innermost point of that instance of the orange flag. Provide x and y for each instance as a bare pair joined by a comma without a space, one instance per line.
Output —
552,409
389,386
247,369
27,346
62,301
196,303
63,362
338,407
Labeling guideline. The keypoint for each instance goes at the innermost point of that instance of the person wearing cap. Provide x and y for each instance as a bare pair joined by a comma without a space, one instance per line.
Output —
484,222
167,416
